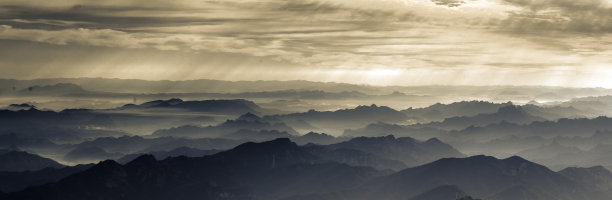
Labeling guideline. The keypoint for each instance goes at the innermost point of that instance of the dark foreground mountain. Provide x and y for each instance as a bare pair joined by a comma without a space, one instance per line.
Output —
354,157
280,169
23,161
16,181
268,170
483,177
442,193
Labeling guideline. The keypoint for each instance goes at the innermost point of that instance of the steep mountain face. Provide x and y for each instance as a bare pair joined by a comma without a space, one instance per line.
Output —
597,177
354,157
268,170
23,161
410,151
483,177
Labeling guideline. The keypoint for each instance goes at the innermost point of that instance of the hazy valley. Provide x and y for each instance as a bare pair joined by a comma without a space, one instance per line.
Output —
211,145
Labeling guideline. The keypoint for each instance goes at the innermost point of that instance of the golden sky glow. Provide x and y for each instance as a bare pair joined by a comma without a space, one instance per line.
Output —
391,42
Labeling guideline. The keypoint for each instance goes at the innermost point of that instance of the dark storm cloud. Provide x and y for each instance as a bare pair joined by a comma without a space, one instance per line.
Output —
588,16
130,17
249,22
449,3
112,17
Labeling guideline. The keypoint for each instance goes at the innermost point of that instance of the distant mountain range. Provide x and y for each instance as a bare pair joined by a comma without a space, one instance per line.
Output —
340,119
207,85
232,107
246,125
161,155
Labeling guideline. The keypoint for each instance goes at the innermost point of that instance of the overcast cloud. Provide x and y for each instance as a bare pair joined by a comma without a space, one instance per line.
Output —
392,42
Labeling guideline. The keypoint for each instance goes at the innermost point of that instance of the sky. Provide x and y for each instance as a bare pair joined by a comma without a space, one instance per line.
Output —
377,42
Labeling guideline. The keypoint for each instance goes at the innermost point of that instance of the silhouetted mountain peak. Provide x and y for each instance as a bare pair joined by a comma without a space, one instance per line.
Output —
381,138
32,110
249,117
276,144
516,159
224,106
434,141
485,176
174,101
162,103
313,134
406,149
511,110
105,166
266,155
479,158
23,106
142,160
373,107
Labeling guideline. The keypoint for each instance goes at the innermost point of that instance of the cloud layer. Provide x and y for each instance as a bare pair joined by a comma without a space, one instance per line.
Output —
398,42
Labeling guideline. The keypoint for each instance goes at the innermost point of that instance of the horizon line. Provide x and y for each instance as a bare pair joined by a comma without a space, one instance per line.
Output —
302,80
